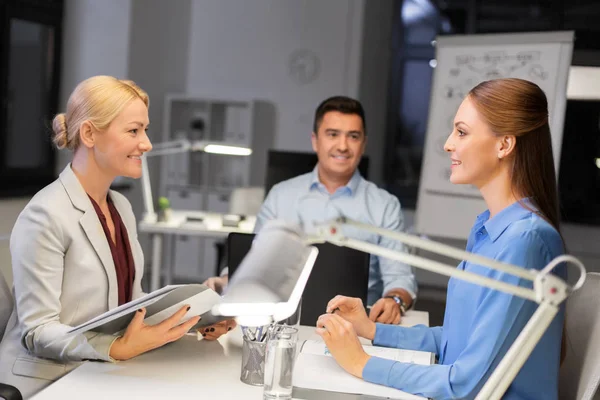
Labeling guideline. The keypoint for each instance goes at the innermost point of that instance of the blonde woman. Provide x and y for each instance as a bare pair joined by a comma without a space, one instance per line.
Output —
75,251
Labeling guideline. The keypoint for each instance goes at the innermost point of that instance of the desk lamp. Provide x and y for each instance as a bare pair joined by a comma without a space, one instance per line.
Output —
180,146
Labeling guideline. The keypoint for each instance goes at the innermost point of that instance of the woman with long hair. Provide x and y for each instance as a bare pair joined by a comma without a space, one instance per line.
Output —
500,143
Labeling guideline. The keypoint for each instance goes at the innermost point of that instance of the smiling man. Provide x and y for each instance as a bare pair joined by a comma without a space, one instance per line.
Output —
335,188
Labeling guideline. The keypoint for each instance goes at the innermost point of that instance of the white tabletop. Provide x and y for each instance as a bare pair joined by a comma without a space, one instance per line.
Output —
184,369
198,223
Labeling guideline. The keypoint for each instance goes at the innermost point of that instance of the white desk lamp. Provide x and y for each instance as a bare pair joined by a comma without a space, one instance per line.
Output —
180,146
268,284
548,290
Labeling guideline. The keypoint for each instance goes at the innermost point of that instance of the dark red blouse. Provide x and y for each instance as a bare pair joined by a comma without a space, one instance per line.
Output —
120,250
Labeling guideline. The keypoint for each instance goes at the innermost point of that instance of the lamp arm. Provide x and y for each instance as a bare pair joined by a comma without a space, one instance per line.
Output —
173,147
432,246
170,147
430,265
545,284
147,191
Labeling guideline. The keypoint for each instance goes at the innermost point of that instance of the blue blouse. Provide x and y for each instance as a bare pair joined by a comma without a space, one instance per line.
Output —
480,324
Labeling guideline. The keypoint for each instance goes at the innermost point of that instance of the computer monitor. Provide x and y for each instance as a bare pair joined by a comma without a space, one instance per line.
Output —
284,165
337,270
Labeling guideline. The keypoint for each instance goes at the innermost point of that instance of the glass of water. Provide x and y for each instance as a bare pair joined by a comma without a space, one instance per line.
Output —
279,362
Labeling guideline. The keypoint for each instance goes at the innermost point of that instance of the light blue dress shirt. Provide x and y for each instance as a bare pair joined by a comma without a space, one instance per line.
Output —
480,324
304,200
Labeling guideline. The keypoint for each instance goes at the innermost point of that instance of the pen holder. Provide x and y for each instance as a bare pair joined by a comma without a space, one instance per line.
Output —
253,362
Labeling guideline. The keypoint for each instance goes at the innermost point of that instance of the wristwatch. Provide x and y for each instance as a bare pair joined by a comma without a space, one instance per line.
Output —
400,303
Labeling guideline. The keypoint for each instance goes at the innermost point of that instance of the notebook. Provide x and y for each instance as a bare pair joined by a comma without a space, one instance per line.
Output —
316,369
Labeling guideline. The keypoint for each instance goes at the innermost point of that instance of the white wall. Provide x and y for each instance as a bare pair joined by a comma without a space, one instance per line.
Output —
243,49
95,42
158,50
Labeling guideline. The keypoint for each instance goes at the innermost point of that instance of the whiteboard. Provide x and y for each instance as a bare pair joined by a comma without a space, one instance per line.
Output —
448,210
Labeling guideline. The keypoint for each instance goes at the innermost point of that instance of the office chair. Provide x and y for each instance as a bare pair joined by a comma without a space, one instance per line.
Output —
7,392
580,371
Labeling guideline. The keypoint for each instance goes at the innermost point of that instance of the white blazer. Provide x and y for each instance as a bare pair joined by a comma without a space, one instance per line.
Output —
64,275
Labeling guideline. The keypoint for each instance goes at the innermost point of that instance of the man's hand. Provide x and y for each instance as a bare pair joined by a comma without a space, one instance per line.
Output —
217,283
343,344
385,311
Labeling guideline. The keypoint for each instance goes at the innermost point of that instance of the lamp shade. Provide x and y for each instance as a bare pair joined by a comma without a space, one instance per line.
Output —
269,282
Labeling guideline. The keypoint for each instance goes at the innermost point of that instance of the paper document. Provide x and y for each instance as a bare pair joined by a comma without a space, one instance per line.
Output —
315,368
317,347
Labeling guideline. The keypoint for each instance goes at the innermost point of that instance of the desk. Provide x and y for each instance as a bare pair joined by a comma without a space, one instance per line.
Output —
183,369
209,225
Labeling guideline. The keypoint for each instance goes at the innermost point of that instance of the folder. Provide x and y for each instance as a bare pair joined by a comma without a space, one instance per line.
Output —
160,305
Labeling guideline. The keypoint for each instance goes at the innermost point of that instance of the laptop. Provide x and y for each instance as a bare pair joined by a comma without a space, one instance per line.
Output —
337,270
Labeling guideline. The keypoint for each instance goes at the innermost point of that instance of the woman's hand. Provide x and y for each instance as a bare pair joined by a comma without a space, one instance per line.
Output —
140,338
215,331
352,310
343,344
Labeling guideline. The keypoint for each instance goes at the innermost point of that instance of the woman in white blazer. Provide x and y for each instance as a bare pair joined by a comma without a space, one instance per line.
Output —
65,269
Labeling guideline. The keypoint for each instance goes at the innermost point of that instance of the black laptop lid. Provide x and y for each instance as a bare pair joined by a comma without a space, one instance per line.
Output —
338,270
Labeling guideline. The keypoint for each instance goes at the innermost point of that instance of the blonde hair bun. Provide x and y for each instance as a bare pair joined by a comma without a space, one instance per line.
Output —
97,100
59,126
